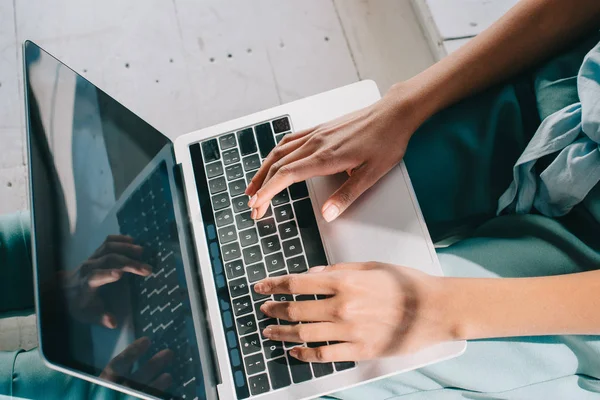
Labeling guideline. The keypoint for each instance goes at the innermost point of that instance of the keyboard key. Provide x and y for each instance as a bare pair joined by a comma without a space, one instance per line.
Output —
246,325
227,234
231,156
259,384
234,269
288,230
264,136
236,360
252,255
246,140
268,322
254,364
231,251
251,162
220,201
250,344
237,187
283,297
284,213
217,185
228,319
279,373
257,296
270,244
214,169
238,287
274,262
231,339
250,175
234,172
240,204
342,366
300,370
259,314
227,141
305,297
266,227
292,247
210,150
280,198
322,369
281,125
224,217
298,190
279,137
273,349
256,272
297,265
244,221
309,232
248,237
242,306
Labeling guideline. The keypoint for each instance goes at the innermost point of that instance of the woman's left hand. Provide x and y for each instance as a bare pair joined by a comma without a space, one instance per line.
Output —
372,310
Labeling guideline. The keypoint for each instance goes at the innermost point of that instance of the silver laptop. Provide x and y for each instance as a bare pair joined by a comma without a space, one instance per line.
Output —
145,255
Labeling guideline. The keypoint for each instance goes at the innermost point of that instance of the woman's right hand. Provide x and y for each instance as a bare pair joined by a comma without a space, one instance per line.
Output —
366,144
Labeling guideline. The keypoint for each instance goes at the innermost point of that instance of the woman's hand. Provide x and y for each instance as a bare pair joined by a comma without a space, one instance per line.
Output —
372,310
116,256
366,144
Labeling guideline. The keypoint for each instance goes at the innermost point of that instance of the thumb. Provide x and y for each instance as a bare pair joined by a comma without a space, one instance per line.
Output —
350,190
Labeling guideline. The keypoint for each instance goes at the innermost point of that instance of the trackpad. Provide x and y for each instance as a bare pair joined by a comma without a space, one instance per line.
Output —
384,224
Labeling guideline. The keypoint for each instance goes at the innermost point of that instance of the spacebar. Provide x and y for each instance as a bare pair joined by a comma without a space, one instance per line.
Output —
309,232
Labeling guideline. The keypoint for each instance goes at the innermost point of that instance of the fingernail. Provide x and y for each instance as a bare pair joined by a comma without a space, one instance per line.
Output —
267,332
249,188
316,269
252,201
330,212
294,352
116,273
253,213
259,288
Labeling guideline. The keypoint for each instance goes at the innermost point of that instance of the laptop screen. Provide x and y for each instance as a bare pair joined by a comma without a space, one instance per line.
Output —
112,293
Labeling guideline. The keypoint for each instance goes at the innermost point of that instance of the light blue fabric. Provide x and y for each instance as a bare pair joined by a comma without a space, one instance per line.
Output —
574,133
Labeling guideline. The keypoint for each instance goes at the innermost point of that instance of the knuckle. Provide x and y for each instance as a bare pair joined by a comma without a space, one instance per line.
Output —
322,354
291,283
342,311
303,334
291,312
285,170
345,197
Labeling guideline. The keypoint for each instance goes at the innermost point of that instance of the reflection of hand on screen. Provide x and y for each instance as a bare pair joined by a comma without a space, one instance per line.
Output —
119,369
116,256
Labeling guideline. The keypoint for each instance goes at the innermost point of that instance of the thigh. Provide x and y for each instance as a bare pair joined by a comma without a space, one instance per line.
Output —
460,161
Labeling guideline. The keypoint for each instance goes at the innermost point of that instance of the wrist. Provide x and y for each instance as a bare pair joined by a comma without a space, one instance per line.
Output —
410,101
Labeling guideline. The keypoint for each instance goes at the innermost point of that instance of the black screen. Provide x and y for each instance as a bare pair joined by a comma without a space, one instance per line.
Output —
112,293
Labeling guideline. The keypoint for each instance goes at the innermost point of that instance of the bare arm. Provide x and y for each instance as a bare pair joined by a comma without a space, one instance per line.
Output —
530,32
554,305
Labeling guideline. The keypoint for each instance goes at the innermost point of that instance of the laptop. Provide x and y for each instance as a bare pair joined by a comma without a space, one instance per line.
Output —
145,255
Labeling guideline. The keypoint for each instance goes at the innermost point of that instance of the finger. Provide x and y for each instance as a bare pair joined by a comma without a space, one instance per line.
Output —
122,363
307,333
119,238
291,173
153,367
296,284
296,311
102,277
350,190
282,150
108,320
334,352
163,382
343,267
118,261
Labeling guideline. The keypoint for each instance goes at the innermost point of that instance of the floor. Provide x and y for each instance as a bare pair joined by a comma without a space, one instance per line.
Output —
186,64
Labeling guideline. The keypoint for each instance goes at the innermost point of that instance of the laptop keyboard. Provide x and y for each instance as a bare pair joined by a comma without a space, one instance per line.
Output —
286,240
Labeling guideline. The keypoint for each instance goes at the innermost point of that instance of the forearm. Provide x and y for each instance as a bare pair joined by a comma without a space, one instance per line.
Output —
555,305
528,33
